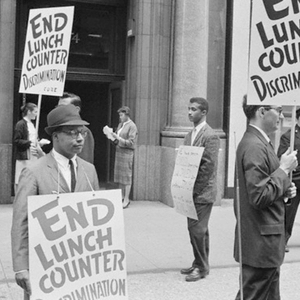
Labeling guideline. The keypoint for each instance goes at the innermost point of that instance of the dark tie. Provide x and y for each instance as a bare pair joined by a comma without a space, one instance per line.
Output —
73,177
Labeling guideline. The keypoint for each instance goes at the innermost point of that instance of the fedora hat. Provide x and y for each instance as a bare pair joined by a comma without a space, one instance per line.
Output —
63,115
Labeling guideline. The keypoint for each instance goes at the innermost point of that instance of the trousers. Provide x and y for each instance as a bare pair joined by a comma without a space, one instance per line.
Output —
199,236
260,283
290,215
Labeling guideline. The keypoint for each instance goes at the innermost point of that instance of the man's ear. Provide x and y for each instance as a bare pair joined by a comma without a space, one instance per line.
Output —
78,108
260,112
54,135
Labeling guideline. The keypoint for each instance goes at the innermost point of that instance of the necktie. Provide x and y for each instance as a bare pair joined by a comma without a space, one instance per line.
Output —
73,177
194,133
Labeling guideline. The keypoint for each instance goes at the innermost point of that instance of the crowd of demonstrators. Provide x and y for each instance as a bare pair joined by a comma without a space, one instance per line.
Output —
264,216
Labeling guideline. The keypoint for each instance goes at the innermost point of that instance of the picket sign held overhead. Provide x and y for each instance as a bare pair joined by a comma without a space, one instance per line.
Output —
46,53
274,58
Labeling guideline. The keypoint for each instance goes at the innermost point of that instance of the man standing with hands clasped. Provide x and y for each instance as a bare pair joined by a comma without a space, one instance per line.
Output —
263,185
205,188
60,171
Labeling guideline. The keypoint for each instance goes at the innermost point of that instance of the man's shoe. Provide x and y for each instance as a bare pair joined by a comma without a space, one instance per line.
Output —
187,271
196,275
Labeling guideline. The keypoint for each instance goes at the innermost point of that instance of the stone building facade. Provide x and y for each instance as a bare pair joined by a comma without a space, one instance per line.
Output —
155,55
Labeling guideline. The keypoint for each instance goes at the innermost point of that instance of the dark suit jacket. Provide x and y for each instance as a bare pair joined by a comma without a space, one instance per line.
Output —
205,188
41,178
285,144
262,185
87,152
21,140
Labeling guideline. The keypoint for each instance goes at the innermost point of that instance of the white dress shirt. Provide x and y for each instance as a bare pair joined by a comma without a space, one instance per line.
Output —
64,166
196,131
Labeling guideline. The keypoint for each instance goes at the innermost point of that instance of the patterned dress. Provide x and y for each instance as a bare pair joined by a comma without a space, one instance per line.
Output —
125,152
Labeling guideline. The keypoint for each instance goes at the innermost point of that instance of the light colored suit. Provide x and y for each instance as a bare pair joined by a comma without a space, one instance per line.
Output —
41,178
204,194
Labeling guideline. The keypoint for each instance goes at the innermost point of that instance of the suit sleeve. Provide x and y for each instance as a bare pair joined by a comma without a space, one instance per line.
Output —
21,143
95,180
130,139
284,144
263,185
209,161
19,232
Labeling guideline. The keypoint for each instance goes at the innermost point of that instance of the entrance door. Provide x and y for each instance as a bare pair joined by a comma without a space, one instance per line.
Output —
115,102
95,110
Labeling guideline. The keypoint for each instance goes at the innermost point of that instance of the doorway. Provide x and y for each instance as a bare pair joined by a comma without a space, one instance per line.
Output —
94,98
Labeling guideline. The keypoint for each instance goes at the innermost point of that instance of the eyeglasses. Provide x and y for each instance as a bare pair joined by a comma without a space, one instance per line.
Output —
74,133
278,109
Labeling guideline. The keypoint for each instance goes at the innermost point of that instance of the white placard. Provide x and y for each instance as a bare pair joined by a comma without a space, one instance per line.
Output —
46,51
183,180
77,246
274,59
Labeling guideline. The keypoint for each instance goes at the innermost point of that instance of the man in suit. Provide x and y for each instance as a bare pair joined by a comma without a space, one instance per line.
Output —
87,152
292,206
60,171
205,188
263,185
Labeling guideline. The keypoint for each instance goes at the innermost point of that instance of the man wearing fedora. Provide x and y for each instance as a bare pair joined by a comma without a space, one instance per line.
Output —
60,171
87,152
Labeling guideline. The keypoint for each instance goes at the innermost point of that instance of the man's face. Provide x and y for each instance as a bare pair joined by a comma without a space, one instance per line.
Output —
69,140
196,115
272,117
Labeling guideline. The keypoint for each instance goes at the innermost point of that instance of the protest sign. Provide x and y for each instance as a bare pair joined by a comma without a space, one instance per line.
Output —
77,246
46,51
274,58
183,180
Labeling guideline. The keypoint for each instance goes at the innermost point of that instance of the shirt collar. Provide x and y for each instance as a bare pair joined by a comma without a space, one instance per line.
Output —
62,160
262,132
199,126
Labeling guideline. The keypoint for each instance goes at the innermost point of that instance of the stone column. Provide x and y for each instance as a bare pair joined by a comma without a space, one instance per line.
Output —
198,64
147,79
7,46
198,71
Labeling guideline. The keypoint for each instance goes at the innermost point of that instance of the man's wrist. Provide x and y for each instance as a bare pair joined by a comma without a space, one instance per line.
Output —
286,171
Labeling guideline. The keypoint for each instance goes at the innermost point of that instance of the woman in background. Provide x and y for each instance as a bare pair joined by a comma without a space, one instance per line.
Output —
25,139
125,140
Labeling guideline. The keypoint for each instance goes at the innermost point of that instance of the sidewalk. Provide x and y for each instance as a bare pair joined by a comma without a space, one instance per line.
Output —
157,246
